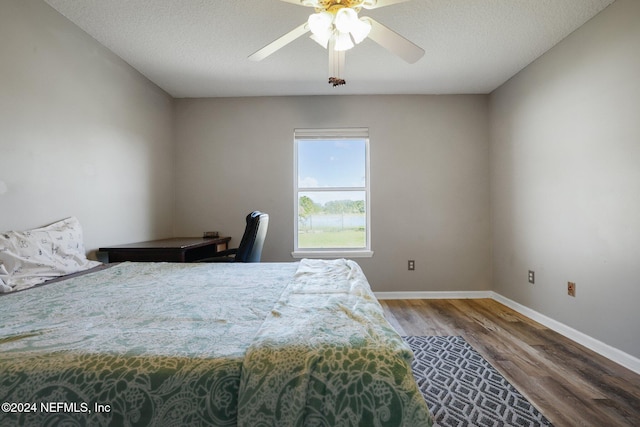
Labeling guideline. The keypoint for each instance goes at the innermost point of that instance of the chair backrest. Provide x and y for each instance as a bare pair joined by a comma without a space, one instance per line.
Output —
250,248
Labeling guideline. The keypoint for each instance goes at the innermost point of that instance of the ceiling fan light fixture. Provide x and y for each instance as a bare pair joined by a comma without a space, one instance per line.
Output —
360,31
343,42
321,26
347,21
320,22
321,39
344,19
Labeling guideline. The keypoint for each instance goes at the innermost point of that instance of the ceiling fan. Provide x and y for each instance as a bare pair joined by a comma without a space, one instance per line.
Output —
335,25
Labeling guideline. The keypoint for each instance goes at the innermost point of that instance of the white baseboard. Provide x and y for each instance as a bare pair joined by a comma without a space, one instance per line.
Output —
611,353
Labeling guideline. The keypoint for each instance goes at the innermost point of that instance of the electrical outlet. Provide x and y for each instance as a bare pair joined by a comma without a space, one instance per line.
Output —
411,265
532,276
571,289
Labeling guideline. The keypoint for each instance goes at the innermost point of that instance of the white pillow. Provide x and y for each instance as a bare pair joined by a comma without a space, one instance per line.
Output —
30,257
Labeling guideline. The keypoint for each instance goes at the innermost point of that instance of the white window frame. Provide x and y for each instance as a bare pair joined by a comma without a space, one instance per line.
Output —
331,134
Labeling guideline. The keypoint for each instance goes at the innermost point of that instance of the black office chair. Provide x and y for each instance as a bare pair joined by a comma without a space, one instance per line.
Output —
250,248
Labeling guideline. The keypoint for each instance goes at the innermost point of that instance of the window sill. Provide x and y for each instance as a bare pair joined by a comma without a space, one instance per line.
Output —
332,254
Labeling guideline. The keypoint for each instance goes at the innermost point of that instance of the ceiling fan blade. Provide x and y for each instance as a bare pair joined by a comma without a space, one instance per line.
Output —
300,2
279,43
394,42
374,4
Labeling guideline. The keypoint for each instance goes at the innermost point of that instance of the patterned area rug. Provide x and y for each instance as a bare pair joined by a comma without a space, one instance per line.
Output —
462,389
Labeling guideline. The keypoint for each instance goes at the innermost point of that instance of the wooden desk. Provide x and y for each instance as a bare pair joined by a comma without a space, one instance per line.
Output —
176,249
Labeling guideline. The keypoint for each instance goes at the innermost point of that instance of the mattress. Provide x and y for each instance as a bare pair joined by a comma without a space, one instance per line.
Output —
281,344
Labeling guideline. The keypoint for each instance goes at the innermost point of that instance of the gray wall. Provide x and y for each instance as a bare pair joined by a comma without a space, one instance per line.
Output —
429,179
565,180
81,133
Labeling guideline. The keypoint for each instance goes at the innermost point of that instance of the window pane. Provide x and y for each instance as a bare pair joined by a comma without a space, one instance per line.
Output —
331,163
332,219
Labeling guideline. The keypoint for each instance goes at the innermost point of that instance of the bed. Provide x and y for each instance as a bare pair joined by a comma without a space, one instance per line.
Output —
270,344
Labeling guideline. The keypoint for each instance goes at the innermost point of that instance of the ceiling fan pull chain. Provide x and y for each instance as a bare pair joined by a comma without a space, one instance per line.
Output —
336,65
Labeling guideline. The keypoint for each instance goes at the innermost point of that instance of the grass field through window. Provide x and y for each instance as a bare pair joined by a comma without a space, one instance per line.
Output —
328,238
327,231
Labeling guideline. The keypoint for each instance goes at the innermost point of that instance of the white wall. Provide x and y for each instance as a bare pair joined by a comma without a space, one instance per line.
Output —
429,179
565,180
81,133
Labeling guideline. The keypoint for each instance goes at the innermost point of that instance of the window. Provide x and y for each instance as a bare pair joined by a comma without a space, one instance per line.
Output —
332,193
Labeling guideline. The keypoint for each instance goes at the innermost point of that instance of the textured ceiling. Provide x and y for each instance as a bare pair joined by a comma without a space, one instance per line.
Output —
199,48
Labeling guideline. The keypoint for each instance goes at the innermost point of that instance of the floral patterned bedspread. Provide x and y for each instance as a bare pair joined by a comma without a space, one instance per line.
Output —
326,356
155,344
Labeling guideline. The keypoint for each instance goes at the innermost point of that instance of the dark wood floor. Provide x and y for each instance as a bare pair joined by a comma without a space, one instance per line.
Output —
570,384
